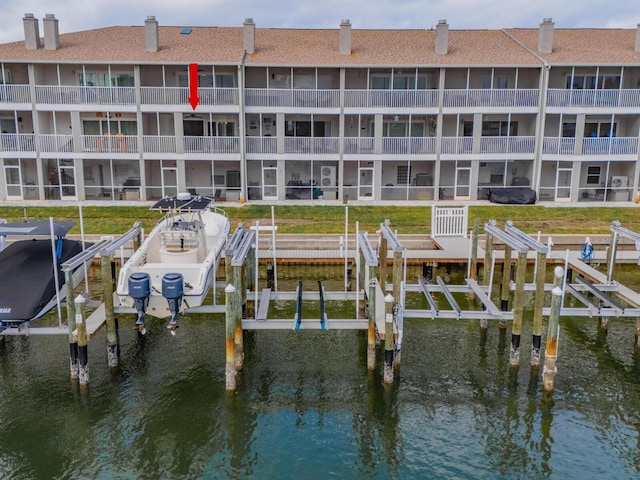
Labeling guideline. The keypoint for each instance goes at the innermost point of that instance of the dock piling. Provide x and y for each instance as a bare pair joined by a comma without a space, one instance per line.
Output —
388,339
83,358
110,318
551,351
506,281
518,309
230,344
538,304
71,323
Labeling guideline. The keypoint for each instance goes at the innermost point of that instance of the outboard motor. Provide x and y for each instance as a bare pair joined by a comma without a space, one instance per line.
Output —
140,290
173,290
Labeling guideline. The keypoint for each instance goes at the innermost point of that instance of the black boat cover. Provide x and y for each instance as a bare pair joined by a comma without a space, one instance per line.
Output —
517,196
35,227
174,203
27,283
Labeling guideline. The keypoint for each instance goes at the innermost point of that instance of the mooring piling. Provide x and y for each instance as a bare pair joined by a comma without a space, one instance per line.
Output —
71,323
388,339
551,350
110,317
230,344
538,304
506,282
518,309
81,331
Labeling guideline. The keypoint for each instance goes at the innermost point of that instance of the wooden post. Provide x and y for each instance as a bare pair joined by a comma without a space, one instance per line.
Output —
371,328
518,309
551,351
506,280
81,327
486,267
107,294
397,295
238,283
611,255
230,347
473,274
388,339
541,266
382,264
637,343
71,322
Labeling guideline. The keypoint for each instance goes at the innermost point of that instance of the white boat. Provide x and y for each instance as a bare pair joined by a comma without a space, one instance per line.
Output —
175,267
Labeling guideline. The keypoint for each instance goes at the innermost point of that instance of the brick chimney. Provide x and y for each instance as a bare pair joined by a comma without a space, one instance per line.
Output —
249,35
442,37
151,39
345,37
51,34
545,36
31,32
638,39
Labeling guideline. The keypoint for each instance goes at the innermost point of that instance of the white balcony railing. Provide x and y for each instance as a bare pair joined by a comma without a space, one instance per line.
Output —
610,146
507,144
628,98
457,145
56,143
180,95
159,144
359,145
74,95
559,146
18,142
304,145
390,98
15,94
408,145
262,145
226,145
110,143
276,97
458,98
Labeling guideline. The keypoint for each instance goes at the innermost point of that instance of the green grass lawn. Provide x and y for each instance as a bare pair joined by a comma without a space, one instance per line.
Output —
331,219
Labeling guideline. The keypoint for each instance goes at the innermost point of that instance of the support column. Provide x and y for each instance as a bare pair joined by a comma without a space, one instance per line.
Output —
551,350
71,322
382,264
238,283
541,266
518,310
371,328
230,347
83,357
111,322
388,339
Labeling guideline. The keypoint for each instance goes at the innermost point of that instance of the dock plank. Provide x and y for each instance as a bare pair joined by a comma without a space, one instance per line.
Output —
263,306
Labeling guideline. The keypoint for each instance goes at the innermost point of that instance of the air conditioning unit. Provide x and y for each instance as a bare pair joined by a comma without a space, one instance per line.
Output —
619,182
328,176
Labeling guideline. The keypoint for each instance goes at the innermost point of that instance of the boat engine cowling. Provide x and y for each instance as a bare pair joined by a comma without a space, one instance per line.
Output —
140,289
173,291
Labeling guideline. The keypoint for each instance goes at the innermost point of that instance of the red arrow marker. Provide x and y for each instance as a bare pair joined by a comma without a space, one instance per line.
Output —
193,85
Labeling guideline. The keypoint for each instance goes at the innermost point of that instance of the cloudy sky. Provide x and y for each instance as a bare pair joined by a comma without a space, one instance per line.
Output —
75,15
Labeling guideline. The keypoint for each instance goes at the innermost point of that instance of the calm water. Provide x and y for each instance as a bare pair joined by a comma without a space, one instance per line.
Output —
306,407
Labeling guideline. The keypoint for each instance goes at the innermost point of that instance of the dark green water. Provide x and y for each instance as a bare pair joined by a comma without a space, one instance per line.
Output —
306,407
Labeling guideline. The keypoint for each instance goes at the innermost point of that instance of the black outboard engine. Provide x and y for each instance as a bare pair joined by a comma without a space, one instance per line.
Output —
140,290
173,290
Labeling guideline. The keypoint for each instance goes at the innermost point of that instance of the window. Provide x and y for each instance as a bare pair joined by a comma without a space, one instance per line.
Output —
102,79
403,175
569,129
591,82
499,129
599,129
593,175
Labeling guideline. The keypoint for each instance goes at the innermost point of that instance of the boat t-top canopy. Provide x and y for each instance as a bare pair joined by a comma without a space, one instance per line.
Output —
35,227
182,202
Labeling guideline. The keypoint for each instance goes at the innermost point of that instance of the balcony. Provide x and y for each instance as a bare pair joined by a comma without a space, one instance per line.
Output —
359,145
491,98
110,143
221,145
559,146
409,145
457,145
390,98
262,145
56,143
15,94
72,95
507,144
273,97
180,96
159,143
629,98
610,146
308,145
18,142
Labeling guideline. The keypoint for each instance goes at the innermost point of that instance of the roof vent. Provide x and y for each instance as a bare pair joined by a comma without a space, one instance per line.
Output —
185,31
